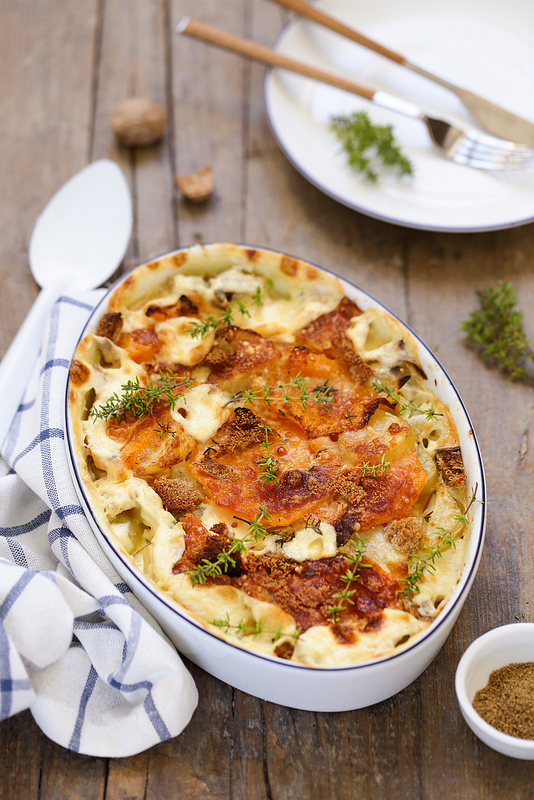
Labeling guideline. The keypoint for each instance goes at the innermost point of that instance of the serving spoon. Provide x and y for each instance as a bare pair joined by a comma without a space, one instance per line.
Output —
78,242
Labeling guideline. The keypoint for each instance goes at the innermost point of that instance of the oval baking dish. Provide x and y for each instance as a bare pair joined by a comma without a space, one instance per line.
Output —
280,470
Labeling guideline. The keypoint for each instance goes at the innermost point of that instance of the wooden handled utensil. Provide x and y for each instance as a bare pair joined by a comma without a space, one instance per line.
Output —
495,119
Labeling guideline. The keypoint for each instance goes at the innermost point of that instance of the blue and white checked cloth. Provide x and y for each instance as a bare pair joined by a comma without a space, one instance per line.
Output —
76,647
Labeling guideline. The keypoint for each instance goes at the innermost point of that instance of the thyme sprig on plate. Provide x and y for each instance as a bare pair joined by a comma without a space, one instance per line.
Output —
141,400
200,329
354,566
227,557
253,628
496,331
369,147
404,405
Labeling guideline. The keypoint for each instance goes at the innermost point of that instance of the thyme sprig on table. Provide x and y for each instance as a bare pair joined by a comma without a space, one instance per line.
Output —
354,566
140,400
253,628
496,331
405,405
368,146
200,329
227,557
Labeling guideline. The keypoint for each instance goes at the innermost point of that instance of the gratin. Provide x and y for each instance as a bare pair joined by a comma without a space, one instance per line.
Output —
270,456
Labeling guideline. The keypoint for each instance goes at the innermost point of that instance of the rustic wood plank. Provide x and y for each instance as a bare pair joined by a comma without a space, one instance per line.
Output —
43,129
208,87
21,744
57,104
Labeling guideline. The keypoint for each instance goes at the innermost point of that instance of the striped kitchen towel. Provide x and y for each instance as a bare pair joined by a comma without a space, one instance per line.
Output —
76,647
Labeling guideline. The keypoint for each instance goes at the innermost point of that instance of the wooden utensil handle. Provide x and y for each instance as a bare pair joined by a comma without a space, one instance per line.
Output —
316,15
221,38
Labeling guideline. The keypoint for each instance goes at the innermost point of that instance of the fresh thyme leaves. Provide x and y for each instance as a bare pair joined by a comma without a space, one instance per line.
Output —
367,145
323,395
497,332
140,400
227,557
375,469
420,564
253,628
200,329
164,427
412,408
354,565
270,464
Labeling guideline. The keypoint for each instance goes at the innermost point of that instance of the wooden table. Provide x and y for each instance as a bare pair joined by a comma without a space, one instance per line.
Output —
63,67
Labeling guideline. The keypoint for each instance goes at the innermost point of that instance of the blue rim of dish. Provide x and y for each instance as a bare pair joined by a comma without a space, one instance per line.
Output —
347,203
465,580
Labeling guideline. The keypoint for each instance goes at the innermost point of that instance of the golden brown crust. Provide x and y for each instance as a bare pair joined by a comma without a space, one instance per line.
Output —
450,463
177,496
110,325
405,534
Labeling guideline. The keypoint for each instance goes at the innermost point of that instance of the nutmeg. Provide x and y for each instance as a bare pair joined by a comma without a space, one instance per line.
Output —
138,122
196,186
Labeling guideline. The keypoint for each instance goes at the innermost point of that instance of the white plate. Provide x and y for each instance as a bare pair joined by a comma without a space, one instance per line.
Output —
484,45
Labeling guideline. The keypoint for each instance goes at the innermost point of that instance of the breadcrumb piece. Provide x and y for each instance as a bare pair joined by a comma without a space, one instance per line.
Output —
110,325
450,463
405,534
177,496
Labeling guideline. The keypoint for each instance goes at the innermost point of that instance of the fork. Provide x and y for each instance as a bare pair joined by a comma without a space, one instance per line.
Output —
497,120
469,148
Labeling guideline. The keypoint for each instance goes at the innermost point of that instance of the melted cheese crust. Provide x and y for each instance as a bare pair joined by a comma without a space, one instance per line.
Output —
280,407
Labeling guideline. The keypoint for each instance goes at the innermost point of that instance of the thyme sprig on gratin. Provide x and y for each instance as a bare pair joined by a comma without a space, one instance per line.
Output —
420,564
405,405
249,628
323,394
226,559
369,147
267,461
200,329
496,331
375,469
140,400
354,566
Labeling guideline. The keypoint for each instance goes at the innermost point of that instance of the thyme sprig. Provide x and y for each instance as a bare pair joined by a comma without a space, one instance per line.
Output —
496,331
200,329
368,146
140,400
374,469
249,628
267,461
405,405
421,564
354,565
227,557
323,395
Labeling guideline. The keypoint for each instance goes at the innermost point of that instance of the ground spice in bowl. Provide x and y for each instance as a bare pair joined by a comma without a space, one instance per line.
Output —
507,701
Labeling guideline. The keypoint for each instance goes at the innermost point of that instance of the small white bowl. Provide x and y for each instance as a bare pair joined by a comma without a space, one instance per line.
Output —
508,644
